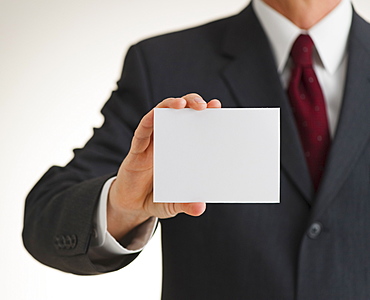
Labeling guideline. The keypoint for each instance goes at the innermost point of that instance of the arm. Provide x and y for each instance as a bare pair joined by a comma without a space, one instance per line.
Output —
63,202
58,222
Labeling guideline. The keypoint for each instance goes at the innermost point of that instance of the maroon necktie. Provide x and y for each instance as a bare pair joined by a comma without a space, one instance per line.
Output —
308,106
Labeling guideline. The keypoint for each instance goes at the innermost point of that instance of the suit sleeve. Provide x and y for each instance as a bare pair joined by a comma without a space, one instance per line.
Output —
58,220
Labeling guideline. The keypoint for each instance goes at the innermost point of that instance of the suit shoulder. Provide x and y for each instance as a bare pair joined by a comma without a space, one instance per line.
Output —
360,30
195,37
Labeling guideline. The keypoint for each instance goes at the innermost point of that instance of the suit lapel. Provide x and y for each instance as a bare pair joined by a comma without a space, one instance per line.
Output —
353,129
254,81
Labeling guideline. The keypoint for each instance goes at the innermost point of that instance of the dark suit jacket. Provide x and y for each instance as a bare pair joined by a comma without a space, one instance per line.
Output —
310,246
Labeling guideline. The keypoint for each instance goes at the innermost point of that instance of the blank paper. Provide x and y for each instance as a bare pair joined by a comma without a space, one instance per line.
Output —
222,155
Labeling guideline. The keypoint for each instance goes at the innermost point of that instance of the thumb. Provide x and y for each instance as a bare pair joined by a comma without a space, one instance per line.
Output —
193,209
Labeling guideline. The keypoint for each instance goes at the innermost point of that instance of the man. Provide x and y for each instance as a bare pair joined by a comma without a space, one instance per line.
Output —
313,245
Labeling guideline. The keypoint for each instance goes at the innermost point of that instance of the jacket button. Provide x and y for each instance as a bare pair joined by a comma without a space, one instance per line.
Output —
60,242
71,241
65,242
314,230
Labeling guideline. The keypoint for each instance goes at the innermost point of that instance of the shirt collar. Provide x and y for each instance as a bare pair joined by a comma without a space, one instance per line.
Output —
330,35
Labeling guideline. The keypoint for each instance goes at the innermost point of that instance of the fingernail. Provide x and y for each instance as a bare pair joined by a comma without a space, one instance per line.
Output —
199,100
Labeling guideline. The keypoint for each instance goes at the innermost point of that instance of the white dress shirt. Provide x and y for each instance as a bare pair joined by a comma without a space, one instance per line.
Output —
103,245
330,37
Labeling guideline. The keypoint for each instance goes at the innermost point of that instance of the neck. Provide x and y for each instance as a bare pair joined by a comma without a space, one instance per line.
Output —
303,13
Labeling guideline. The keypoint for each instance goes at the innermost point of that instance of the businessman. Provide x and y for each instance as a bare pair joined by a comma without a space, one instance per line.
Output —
311,58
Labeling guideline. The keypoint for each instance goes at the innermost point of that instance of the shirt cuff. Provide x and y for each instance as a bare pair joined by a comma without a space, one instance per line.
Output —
103,245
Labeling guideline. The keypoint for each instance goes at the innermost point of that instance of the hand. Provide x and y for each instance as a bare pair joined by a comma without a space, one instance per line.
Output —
130,200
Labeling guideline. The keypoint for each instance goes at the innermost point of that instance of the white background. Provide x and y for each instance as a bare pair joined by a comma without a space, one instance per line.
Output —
59,61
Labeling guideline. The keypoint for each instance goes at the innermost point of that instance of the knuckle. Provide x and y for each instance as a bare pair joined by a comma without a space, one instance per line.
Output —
190,96
171,209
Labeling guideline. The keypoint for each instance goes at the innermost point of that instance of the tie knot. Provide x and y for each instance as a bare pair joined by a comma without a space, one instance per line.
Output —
302,50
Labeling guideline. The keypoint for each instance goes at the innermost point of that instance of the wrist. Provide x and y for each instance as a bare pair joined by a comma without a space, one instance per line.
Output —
120,218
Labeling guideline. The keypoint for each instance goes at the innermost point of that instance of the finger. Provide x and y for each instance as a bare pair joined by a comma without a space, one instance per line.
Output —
176,103
195,101
214,104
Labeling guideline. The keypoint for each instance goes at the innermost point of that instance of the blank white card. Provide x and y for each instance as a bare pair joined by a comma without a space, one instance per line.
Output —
226,155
